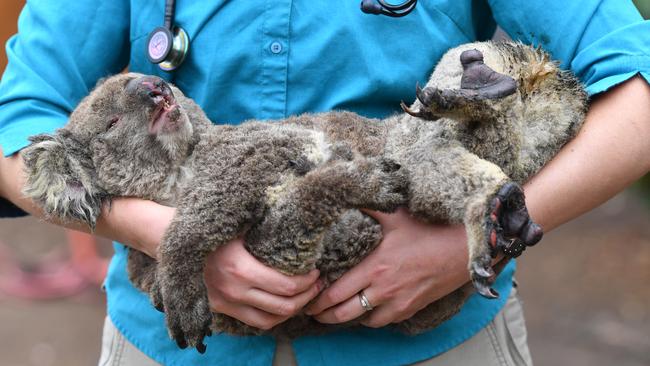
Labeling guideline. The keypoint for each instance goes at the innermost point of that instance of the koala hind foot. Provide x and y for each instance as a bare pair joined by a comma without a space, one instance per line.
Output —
479,77
508,229
479,84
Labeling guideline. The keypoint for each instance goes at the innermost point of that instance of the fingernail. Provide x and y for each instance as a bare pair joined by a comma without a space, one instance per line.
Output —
319,284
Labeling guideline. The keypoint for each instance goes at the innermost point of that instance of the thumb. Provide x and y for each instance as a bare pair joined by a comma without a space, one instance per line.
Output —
387,221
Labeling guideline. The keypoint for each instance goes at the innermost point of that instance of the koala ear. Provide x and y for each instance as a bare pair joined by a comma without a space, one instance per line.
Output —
61,178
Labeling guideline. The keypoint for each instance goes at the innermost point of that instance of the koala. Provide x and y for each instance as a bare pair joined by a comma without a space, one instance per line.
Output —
490,116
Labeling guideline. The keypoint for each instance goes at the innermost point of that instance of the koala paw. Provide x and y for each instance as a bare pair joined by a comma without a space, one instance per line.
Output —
188,316
386,185
508,229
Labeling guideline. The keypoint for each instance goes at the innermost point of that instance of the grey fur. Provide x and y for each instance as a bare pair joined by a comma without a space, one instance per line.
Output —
296,186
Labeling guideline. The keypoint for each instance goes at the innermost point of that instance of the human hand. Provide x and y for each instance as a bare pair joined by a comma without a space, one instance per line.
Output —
414,265
242,287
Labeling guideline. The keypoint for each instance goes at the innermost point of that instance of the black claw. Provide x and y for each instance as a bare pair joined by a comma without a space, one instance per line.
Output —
419,93
201,348
408,110
485,291
481,271
181,342
160,308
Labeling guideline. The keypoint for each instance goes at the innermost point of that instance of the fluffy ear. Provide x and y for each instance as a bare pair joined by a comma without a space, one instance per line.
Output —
61,178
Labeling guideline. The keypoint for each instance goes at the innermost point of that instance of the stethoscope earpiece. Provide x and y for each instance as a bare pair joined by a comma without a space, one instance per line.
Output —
381,7
165,48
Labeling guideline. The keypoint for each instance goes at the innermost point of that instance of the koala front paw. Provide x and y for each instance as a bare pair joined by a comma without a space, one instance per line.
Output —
384,185
188,315
508,229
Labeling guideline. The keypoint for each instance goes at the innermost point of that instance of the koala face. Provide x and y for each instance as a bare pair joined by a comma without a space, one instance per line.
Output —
133,110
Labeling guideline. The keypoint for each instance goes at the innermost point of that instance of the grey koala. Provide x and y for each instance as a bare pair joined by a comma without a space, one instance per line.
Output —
491,115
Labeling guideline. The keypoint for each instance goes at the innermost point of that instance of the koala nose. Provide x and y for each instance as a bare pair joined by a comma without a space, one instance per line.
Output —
149,86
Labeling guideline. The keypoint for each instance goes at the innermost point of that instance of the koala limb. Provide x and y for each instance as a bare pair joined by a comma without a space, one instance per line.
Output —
504,226
141,269
61,178
290,237
481,196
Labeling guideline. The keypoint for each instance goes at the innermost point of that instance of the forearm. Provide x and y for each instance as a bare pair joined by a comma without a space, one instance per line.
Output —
611,151
123,221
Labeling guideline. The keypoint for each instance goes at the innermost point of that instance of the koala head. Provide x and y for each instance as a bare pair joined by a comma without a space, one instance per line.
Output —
132,112
125,138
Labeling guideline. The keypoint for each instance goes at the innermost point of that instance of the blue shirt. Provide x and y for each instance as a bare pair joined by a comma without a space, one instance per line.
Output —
270,59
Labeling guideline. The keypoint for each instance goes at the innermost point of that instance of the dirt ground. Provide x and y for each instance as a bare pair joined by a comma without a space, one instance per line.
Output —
585,291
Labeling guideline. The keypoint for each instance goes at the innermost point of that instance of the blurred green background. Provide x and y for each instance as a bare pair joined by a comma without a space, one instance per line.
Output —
643,185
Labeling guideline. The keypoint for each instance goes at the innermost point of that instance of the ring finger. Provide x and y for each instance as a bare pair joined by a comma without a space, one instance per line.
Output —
348,310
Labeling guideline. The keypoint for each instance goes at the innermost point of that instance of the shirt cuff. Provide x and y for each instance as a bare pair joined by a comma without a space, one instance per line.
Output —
614,58
611,81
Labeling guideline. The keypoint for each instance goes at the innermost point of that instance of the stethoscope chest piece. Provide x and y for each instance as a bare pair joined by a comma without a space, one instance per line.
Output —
166,49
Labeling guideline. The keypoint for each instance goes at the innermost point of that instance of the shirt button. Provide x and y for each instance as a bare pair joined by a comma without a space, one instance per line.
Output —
276,47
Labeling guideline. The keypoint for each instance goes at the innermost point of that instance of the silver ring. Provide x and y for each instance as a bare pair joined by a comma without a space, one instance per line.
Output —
365,303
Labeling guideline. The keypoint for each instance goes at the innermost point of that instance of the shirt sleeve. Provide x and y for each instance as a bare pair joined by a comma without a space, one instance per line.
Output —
604,42
59,53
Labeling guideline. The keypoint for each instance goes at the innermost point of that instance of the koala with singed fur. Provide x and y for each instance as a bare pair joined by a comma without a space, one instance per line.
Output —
491,115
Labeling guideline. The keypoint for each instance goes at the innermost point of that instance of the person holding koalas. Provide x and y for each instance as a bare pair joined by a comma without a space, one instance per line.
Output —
248,61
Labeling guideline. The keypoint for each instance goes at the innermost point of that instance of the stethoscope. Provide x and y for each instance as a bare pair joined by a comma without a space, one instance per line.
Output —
168,45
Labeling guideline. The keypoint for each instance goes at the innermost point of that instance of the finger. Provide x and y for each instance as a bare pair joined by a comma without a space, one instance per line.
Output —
348,310
343,289
269,280
379,318
388,221
384,315
247,314
281,305
381,217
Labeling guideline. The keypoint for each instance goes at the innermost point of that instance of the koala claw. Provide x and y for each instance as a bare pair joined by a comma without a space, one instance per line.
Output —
423,95
181,343
156,297
483,276
188,321
422,113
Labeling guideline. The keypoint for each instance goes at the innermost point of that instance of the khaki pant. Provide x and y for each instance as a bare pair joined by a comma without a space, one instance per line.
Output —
501,343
